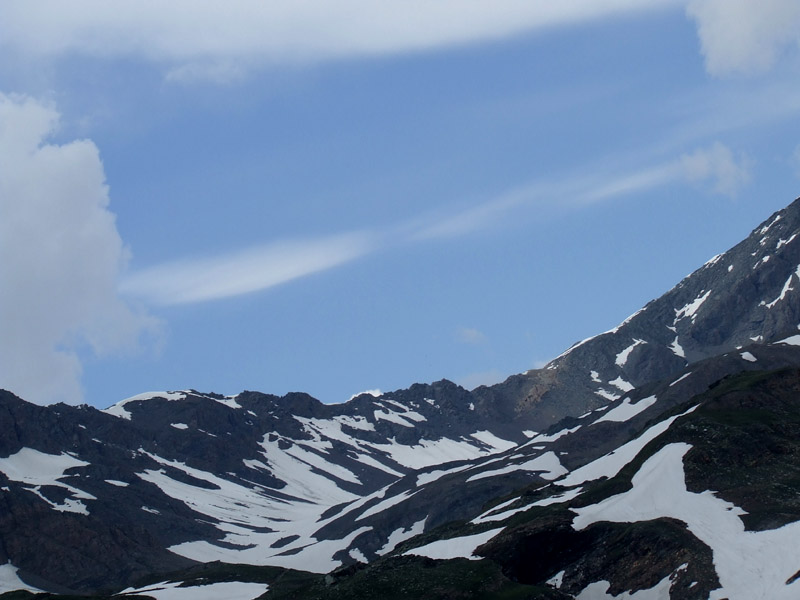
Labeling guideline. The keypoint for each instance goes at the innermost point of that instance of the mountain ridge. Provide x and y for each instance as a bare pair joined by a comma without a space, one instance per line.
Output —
169,481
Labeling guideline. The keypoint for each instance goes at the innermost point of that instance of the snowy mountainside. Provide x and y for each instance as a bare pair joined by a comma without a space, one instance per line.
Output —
243,479
749,294
468,486
700,501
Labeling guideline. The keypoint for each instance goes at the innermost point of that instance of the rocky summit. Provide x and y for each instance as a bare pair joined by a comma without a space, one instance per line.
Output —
657,460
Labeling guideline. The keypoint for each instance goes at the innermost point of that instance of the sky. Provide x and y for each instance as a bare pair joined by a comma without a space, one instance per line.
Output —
358,195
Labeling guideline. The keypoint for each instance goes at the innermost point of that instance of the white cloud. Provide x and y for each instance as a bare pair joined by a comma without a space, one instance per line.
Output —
718,164
250,270
60,257
376,393
743,35
207,34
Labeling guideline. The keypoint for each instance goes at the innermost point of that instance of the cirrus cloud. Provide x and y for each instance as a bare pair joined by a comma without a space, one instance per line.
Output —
250,270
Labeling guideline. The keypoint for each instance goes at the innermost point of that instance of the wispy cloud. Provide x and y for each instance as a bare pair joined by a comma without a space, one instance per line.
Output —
470,335
474,218
262,267
250,270
716,165
206,34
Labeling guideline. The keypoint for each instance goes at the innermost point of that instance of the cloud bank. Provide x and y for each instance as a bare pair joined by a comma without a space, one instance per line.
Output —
201,38
60,258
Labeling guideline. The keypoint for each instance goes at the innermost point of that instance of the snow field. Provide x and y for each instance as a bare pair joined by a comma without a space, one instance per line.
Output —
228,590
35,469
751,565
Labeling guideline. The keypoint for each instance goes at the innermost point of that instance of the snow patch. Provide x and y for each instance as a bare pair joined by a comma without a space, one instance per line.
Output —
401,535
547,466
793,340
763,260
35,469
391,417
460,547
782,242
560,498
385,504
713,260
610,396
626,410
10,581
543,439
492,515
676,348
621,384
179,425
116,483
230,590
679,379
766,228
787,287
229,402
118,409
599,591
556,580
748,357
426,478
622,357
690,310
357,555
428,453
490,439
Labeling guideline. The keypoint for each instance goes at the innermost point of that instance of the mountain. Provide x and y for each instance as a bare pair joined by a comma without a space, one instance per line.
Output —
658,459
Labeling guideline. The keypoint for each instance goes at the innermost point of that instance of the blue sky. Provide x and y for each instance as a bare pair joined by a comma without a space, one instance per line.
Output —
330,198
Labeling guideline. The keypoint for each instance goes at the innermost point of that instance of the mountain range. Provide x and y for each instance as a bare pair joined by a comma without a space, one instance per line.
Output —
660,459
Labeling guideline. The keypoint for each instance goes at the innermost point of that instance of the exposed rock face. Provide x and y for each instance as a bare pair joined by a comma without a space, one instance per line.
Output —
750,294
166,481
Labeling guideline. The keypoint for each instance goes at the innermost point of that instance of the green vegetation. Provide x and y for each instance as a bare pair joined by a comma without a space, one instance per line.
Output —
411,577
